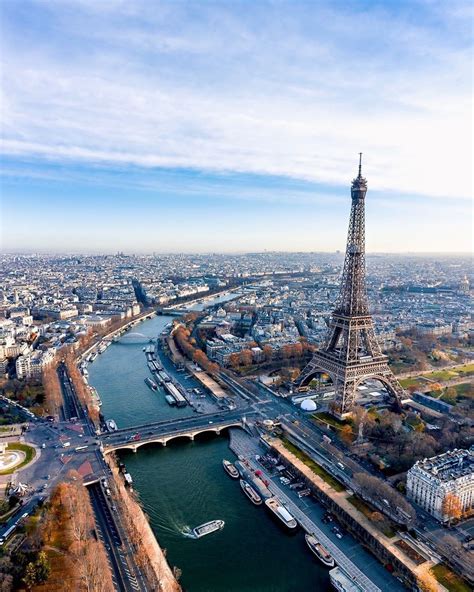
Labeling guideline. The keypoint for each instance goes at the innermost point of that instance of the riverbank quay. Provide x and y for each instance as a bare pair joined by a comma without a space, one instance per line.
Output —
114,333
383,548
147,561
213,387
364,570
184,305
148,554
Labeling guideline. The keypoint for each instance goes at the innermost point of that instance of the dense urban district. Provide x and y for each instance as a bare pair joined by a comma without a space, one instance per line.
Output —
393,470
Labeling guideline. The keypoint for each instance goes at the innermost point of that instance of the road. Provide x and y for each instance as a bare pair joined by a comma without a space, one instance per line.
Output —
151,431
71,407
26,508
126,573
108,532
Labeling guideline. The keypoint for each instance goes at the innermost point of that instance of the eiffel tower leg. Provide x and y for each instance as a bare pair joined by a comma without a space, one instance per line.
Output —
393,386
308,371
345,396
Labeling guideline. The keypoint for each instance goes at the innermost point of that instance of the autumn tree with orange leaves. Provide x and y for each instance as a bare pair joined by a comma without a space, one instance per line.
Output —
78,561
451,507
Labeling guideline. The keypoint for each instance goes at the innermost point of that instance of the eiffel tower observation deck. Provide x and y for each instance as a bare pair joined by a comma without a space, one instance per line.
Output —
351,353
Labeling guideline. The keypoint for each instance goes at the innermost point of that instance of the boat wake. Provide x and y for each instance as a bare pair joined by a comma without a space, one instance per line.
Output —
187,532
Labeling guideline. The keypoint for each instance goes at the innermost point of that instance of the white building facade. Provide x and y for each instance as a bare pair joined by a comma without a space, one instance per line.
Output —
32,365
431,479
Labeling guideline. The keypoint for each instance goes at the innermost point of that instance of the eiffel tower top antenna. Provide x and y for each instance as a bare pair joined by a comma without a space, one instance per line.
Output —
360,164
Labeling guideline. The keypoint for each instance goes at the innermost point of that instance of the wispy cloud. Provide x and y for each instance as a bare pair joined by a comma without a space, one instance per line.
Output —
293,89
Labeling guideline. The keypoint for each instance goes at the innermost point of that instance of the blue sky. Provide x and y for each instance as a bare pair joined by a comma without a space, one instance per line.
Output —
234,126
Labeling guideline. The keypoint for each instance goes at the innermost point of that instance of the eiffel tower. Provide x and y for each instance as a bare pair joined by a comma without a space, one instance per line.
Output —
351,352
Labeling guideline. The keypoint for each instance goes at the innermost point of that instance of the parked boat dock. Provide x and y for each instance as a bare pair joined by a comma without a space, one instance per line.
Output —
245,448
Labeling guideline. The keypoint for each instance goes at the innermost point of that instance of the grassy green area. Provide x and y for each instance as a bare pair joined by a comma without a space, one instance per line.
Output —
29,451
365,509
442,375
407,382
329,419
439,375
309,462
464,389
456,393
449,579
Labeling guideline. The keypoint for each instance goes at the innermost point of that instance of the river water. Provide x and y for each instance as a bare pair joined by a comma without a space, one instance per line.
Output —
183,485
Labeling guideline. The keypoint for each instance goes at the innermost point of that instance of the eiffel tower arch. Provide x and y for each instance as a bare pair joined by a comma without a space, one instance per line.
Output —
351,353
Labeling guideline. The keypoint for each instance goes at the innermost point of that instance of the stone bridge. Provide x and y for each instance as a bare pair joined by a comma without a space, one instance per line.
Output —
163,436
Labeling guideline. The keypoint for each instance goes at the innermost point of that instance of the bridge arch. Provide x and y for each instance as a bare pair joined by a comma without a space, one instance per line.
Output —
165,438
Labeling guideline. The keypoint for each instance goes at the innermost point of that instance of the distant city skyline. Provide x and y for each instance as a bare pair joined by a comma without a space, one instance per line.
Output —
208,127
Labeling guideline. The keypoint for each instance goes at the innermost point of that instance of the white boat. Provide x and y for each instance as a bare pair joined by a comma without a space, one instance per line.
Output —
208,528
230,469
250,493
317,549
111,425
280,512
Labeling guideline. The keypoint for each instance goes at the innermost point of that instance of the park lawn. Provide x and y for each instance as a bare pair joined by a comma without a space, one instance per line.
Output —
407,382
442,375
449,579
456,372
310,463
463,391
29,451
439,375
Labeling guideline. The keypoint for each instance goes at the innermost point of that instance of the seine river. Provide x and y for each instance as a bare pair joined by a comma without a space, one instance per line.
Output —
184,485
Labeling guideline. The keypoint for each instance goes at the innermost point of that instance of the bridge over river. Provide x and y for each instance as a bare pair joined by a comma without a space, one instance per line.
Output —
163,431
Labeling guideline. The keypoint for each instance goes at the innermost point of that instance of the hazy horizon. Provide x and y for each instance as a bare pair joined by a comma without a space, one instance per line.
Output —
263,252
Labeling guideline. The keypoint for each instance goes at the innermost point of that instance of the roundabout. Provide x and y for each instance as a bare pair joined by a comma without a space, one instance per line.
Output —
15,455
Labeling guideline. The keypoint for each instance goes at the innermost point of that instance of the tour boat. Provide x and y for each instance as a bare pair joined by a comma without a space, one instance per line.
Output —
111,425
250,493
208,528
151,384
281,513
230,469
317,549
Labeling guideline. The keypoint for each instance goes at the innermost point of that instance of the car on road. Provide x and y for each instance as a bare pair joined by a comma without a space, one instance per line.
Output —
304,493
328,517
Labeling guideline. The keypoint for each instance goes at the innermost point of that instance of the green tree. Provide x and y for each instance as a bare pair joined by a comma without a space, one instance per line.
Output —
29,578
43,568
37,572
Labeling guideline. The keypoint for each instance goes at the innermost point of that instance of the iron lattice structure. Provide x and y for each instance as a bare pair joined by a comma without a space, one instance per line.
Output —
351,353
